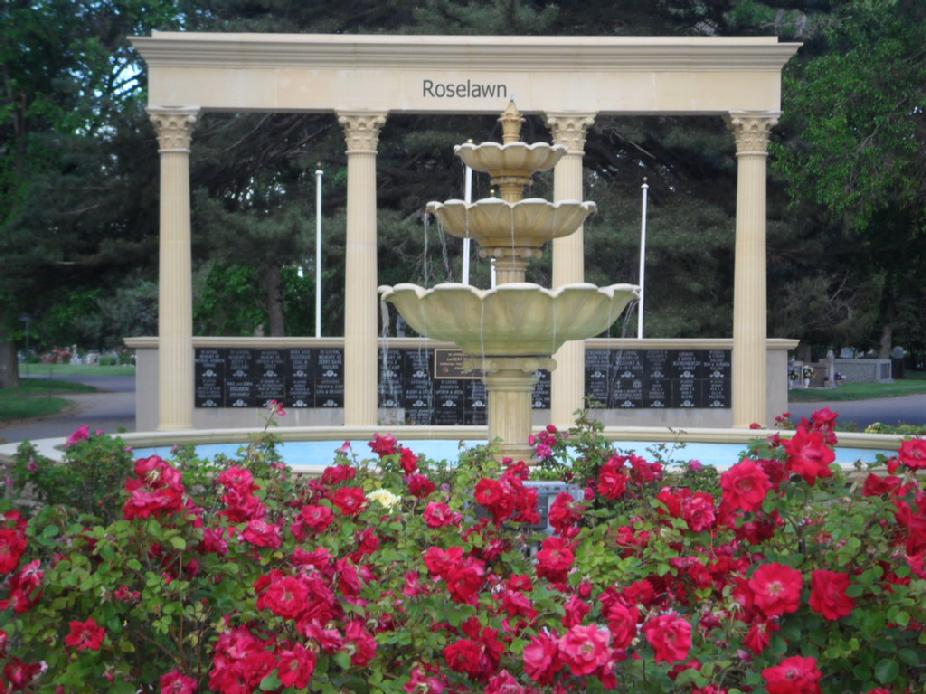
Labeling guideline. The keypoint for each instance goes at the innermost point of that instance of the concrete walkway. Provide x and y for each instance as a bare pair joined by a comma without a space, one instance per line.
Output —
111,409
907,409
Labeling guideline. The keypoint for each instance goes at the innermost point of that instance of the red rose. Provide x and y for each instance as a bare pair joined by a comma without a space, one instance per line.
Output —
554,559
808,455
876,485
13,545
612,482
296,663
20,673
440,561
260,533
670,637
336,474
408,460
759,635
541,658
776,589
585,649
420,486
699,512
364,645
622,620
912,453
464,580
829,594
283,595
745,486
175,682
317,518
564,512
440,515
469,657
25,588
383,444
85,636
795,675
349,500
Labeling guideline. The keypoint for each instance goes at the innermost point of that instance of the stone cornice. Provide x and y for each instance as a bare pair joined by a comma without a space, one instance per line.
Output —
511,53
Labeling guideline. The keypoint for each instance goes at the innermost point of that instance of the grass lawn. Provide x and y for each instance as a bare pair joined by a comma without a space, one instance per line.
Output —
913,384
37,398
52,370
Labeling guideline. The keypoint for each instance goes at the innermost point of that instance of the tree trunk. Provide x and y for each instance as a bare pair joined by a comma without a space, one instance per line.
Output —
885,343
9,366
273,296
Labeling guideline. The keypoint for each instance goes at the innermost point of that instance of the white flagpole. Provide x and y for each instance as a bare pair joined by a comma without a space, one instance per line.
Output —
642,263
318,250
468,198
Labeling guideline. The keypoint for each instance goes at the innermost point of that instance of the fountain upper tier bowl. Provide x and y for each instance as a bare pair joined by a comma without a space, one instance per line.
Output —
518,319
531,222
512,159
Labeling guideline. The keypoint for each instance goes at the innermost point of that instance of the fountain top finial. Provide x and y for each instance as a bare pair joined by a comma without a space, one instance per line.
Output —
511,120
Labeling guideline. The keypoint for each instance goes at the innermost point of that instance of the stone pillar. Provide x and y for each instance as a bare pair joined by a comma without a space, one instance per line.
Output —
567,382
175,293
361,131
510,385
751,131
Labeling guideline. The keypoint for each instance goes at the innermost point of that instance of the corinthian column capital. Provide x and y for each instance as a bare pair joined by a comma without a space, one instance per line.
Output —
361,130
569,129
174,127
751,130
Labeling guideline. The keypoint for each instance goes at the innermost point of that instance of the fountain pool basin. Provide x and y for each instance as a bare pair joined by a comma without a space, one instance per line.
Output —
310,457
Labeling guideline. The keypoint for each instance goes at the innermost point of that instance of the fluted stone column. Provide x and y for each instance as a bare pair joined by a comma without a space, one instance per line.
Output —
361,131
751,131
567,382
175,294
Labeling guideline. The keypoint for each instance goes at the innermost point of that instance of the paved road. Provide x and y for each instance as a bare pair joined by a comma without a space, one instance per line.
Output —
111,409
909,409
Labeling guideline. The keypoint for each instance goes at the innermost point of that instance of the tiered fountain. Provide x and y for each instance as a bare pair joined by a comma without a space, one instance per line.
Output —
512,331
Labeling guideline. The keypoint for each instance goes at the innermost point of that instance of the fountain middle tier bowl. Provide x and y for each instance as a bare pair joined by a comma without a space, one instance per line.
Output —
531,222
518,319
513,159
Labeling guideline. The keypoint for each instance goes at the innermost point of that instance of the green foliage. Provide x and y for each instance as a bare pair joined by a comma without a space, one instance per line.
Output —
88,481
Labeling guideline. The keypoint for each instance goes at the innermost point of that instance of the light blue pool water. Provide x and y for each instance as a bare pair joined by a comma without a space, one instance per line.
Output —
309,455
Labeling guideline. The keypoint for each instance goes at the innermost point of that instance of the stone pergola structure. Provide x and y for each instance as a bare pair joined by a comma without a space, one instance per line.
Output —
364,78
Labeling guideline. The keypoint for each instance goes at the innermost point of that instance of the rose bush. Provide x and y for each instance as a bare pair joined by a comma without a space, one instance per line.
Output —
783,573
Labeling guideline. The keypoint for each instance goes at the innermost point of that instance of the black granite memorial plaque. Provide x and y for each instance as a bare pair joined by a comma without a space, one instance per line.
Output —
210,378
540,398
270,368
390,378
716,386
448,363
300,371
239,379
475,407
329,378
417,393
449,397
597,370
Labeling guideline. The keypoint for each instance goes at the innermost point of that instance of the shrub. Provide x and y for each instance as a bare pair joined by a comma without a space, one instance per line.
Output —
398,574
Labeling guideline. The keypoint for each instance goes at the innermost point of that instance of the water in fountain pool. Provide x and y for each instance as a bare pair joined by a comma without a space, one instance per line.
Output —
313,456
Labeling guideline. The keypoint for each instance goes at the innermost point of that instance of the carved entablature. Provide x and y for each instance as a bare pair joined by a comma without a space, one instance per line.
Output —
361,130
174,127
569,129
751,131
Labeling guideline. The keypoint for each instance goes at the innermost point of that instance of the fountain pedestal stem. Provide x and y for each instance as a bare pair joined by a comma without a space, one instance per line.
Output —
510,385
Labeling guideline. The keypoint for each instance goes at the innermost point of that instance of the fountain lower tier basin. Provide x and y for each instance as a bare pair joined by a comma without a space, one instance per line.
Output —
517,319
511,159
531,222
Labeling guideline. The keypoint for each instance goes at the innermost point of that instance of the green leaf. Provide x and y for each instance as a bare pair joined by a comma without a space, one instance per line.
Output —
271,682
178,543
886,671
854,591
343,660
